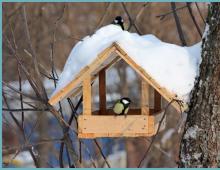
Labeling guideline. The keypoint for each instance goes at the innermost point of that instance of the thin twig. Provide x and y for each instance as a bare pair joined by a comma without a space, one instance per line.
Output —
178,25
21,98
23,133
41,67
161,150
104,15
9,16
158,129
188,4
24,110
162,16
144,6
12,115
74,109
12,149
61,155
200,13
100,150
24,69
19,92
130,19
35,63
68,157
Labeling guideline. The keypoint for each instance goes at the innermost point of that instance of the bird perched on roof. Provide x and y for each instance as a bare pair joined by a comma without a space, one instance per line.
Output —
121,106
119,21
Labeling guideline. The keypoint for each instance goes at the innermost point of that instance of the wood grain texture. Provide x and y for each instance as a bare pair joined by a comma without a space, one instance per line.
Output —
87,95
145,98
115,126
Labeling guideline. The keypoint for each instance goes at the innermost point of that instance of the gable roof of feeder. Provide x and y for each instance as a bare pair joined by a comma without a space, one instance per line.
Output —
106,59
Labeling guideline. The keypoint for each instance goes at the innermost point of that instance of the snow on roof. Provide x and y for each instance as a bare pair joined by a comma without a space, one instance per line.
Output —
172,66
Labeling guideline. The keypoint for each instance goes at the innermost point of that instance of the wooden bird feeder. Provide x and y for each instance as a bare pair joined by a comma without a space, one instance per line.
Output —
143,121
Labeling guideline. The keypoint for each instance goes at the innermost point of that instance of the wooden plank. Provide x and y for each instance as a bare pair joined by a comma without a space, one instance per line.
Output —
164,92
157,101
145,98
76,92
102,91
112,135
66,91
87,93
115,126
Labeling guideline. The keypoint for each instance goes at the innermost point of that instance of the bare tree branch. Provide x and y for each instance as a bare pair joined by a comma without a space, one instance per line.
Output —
24,110
100,150
178,25
188,4
35,63
163,16
104,15
200,13
158,129
18,91
130,19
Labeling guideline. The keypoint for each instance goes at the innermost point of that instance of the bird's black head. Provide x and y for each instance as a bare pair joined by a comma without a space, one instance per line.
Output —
119,21
125,100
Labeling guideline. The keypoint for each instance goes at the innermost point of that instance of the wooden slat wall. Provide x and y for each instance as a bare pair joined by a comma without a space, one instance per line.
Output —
157,101
102,91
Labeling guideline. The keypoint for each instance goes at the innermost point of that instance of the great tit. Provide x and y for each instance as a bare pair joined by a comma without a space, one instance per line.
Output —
119,21
121,106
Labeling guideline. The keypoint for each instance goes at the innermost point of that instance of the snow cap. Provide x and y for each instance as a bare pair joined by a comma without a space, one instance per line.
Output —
173,67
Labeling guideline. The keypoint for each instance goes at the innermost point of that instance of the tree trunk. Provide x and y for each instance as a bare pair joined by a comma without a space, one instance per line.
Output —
200,146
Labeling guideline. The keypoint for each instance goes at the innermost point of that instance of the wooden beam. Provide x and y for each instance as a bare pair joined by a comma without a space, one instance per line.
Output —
102,91
87,95
157,101
145,98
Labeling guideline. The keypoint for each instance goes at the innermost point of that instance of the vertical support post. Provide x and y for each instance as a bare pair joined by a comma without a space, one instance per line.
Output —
157,101
87,95
102,91
145,98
